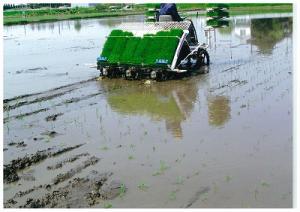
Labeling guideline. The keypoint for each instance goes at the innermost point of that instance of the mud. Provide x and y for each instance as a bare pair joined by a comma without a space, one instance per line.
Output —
10,170
20,116
48,95
197,196
229,84
65,176
75,100
69,87
23,100
79,192
22,103
50,133
68,160
17,144
111,190
31,70
27,177
23,193
53,117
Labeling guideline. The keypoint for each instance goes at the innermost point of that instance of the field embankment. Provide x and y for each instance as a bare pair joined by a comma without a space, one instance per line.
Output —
24,16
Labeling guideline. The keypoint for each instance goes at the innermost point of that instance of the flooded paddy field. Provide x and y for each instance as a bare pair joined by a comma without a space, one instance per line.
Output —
220,139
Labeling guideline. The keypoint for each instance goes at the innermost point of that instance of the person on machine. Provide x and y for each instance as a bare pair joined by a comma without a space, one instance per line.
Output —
170,9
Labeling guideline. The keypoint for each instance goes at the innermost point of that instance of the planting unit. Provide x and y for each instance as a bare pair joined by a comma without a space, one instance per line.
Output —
156,50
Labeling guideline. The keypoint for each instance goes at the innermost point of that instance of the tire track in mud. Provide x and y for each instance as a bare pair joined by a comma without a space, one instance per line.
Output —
20,116
48,91
69,174
197,195
230,84
71,159
9,105
63,189
38,98
53,167
65,102
10,170
78,192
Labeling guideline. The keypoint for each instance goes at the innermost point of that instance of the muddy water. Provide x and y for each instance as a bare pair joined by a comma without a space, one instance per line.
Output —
221,139
53,54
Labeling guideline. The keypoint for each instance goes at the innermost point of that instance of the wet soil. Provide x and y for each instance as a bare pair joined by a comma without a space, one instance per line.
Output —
78,192
53,117
220,139
10,170
68,160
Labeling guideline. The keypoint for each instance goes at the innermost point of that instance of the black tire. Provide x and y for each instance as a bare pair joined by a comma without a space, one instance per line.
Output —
162,76
203,57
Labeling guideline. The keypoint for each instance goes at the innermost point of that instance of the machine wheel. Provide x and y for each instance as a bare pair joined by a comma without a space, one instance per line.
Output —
162,76
129,74
154,75
203,57
112,73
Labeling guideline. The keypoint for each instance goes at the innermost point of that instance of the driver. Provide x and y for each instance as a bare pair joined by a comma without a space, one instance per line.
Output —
170,9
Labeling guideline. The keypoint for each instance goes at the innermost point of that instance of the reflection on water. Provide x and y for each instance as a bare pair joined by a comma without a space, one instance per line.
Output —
172,103
217,23
265,33
113,22
77,25
218,110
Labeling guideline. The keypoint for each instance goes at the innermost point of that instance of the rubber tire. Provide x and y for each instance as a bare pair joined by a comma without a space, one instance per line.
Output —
202,54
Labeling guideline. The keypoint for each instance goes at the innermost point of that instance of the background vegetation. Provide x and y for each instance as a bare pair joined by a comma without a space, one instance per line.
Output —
22,14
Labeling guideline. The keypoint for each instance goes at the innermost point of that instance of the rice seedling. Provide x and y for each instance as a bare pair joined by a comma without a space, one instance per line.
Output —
122,190
172,195
130,157
255,194
265,184
179,180
227,178
105,148
7,126
107,205
97,112
162,168
122,47
143,187
215,188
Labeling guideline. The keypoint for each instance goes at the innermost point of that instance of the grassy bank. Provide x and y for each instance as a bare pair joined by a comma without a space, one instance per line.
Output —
43,15
55,14
20,19
261,9
248,10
